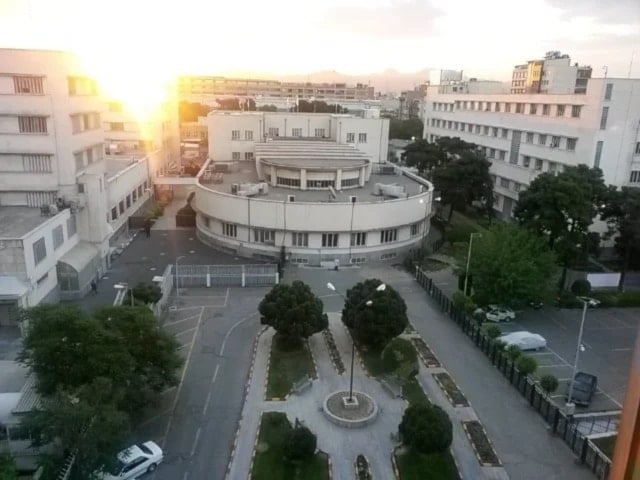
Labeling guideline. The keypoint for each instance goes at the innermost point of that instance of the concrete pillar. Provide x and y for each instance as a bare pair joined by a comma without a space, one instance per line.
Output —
339,179
243,277
363,176
208,280
274,179
303,179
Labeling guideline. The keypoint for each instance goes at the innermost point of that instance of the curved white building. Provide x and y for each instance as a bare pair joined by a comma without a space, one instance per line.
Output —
309,200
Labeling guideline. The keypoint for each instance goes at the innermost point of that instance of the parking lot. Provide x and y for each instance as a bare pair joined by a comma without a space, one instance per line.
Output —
608,340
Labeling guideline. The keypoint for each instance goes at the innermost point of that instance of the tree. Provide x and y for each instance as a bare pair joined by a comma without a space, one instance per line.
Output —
406,129
299,444
293,311
513,352
582,286
147,292
424,156
494,332
8,470
549,384
463,302
375,324
190,111
400,358
526,365
464,180
316,106
622,214
426,428
510,266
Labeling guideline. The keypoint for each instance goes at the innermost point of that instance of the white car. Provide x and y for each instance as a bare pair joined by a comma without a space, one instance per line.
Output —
524,340
496,313
591,302
136,460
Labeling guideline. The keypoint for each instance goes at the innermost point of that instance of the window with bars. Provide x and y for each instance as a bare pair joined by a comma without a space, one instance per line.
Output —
262,235
288,182
296,132
134,196
248,135
319,132
229,229
235,134
529,137
274,131
538,164
350,182
598,154
555,141
415,229
235,156
533,109
36,163
58,237
32,124
389,235
637,152
362,138
128,201
39,251
507,108
121,206
559,110
27,85
505,133
571,143
519,107
320,183
504,182
248,156
545,109
608,91
526,161
358,239
635,176
575,111
603,118
542,139
114,213
300,239
329,240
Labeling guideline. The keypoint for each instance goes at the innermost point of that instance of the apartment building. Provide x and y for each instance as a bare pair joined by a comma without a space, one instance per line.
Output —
524,135
553,74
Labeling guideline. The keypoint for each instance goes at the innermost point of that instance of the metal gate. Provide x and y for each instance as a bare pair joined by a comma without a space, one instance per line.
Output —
226,275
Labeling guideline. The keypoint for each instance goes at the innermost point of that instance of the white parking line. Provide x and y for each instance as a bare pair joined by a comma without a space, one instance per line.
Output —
621,349
195,441
180,321
185,331
213,380
233,327
555,365
226,297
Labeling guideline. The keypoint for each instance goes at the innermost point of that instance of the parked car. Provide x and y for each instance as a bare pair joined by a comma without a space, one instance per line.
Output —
136,460
591,302
496,313
584,386
524,340
536,305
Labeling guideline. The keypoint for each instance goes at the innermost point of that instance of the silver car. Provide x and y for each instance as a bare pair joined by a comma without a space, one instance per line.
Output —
524,340
496,313
136,460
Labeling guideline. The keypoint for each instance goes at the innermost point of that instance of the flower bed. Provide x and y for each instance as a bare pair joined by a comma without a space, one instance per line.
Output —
425,353
451,390
481,444
336,359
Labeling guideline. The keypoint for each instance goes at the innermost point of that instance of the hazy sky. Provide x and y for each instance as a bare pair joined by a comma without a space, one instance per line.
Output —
485,38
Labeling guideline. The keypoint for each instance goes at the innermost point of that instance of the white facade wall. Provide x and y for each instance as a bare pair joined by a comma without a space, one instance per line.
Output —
516,165
121,196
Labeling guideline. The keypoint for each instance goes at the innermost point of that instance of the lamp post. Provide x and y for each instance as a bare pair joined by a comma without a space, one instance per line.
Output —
466,272
570,406
124,286
368,302
177,277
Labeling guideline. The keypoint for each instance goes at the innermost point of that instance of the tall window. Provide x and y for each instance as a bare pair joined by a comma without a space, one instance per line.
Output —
248,156
571,143
529,137
58,237
229,229
596,158
329,240
235,156
300,239
635,176
603,118
296,132
358,239
538,164
542,139
248,134
637,148
351,137
26,85
555,141
575,111
608,91
533,109
559,110
114,213
507,107
545,109
415,229
274,131
32,124
390,235
39,251
235,134
319,132
519,107
262,235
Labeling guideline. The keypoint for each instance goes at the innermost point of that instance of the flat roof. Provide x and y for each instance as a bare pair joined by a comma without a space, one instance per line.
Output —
16,222
115,164
310,154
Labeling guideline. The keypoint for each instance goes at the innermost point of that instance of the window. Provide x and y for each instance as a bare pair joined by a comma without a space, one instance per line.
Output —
350,182
635,176
575,111
505,133
319,132
596,158
26,85
288,182
351,137
529,137
36,163
134,196
58,237
296,132
494,131
603,118
538,164
492,153
248,156
362,138
128,201
121,206
229,229
485,130
235,134
552,167
519,107
139,190
637,152
545,109
608,91
390,235
571,143
261,235
478,127
39,251
320,183
248,135
116,127
533,109
235,156
497,107
32,124
507,107
415,229
526,161
542,139
517,186
274,132
504,182
300,239
330,240
502,154
555,141
559,110
114,213
358,239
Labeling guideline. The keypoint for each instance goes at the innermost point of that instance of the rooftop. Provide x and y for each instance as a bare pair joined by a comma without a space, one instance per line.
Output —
16,222
310,154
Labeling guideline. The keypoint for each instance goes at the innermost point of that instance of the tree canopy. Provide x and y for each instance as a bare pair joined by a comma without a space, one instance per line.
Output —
190,111
424,156
374,324
426,428
317,106
400,358
293,311
512,266
406,129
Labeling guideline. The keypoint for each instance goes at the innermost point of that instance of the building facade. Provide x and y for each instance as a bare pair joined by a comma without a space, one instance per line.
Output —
553,74
309,188
525,135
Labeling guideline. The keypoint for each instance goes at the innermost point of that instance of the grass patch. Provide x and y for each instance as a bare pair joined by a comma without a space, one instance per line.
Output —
418,466
431,265
606,445
269,463
413,393
287,367
630,298
481,443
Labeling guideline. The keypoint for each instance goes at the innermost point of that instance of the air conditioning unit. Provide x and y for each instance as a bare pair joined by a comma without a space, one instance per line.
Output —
291,198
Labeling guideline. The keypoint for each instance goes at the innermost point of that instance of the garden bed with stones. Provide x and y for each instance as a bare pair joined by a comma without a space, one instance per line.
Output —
451,389
362,468
425,353
481,444
334,354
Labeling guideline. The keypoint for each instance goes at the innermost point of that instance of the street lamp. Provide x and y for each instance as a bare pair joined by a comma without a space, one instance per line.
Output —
124,286
368,302
570,406
177,277
466,272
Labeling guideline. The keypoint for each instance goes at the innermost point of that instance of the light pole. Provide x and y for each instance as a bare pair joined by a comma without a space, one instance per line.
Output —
124,286
570,406
368,302
177,277
466,272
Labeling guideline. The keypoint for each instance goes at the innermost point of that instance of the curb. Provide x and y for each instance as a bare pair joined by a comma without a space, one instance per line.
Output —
394,465
244,399
464,427
426,362
255,445
330,465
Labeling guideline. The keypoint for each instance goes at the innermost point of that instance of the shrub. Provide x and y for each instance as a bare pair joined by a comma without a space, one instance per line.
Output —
463,302
426,428
581,287
146,293
618,299
500,345
400,358
549,384
494,331
513,352
526,364
460,233
567,299
299,444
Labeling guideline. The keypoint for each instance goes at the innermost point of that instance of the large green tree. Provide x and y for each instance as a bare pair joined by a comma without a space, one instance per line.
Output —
374,317
316,106
424,156
406,129
511,265
622,214
293,311
426,428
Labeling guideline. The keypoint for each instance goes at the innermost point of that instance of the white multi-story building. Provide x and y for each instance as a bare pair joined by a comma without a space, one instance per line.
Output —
524,135
310,187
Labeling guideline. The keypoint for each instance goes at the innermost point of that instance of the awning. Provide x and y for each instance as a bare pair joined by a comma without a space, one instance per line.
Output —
80,256
11,288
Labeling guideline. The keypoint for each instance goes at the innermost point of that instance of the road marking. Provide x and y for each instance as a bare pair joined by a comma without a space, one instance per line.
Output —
195,441
185,476
621,349
609,397
559,324
180,321
233,327
186,331
226,297
213,380
184,373
556,365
